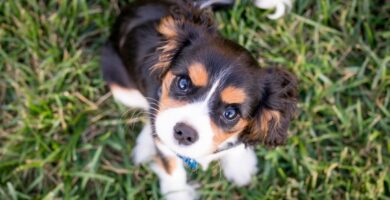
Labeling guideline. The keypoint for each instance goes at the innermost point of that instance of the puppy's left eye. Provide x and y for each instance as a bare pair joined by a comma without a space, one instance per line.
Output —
183,83
230,113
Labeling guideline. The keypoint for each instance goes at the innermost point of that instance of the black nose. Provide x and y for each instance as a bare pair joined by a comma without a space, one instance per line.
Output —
185,134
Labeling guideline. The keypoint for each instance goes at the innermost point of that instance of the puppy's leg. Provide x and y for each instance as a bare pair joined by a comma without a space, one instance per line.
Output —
239,165
173,179
121,84
169,169
145,149
129,97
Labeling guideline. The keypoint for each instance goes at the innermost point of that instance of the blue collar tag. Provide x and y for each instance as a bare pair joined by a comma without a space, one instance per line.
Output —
191,163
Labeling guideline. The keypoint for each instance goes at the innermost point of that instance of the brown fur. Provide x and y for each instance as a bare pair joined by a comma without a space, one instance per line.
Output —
169,164
175,30
233,95
165,101
221,136
275,110
167,27
198,74
267,117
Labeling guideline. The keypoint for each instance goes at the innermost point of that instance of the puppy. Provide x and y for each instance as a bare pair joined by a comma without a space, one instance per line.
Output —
207,97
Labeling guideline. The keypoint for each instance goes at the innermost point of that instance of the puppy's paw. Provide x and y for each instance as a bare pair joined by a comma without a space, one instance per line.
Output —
189,193
281,7
178,191
174,186
243,177
240,166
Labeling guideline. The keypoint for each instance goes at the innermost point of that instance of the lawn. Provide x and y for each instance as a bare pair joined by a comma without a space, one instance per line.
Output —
63,137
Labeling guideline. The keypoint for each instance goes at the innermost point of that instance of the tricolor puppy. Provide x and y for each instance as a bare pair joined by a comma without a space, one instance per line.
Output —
207,97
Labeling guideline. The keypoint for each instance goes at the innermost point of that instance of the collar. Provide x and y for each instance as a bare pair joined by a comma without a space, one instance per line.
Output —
193,164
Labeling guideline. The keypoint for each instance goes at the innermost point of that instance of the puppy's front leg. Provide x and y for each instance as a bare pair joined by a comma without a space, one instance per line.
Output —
145,149
173,179
239,165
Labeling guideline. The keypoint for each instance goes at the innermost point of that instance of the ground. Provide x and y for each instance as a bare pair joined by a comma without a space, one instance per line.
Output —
63,136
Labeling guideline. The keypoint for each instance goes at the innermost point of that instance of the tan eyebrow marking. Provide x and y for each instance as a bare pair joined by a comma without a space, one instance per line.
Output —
233,94
198,74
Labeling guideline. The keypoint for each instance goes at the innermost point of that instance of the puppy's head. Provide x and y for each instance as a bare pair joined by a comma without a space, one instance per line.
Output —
213,92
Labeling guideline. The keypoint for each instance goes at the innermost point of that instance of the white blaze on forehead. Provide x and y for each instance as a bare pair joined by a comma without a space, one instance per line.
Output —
221,78
211,92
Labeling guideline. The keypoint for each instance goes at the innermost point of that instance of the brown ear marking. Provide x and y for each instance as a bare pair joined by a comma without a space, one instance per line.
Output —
275,108
269,128
168,27
185,22
233,95
267,119
198,74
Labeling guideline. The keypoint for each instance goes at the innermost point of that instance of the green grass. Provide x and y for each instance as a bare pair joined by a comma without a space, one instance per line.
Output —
63,136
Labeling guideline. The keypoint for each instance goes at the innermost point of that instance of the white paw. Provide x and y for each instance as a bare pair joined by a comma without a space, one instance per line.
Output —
174,186
188,193
144,149
242,178
281,7
239,166
131,98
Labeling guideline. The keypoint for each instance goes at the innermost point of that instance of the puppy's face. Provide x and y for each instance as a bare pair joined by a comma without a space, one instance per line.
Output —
213,92
206,100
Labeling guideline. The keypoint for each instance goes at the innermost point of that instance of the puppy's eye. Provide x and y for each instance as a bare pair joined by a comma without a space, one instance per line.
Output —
230,113
183,83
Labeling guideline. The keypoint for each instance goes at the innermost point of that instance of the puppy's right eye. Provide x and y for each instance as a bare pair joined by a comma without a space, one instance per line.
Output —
184,83
230,113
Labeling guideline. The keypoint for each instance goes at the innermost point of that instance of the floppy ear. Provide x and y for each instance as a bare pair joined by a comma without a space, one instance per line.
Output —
275,109
185,24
